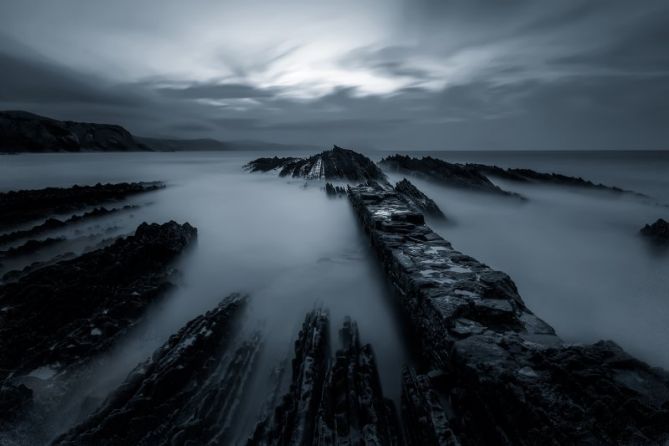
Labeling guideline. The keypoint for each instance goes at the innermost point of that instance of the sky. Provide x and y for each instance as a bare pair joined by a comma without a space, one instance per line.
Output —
386,74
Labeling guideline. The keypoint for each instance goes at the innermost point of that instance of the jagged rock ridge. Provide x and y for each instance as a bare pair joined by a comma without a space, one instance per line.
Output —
501,372
658,231
63,314
55,223
418,199
336,402
338,163
186,393
17,207
450,174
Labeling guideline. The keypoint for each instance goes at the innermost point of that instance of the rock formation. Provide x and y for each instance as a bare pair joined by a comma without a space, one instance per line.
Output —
657,232
501,373
186,393
61,315
532,176
26,132
331,403
334,191
449,174
335,164
17,207
418,199
55,223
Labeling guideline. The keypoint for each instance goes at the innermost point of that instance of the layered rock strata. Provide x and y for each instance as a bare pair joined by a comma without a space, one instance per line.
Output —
414,197
331,402
186,393
501,373
18,207
335,164
62,314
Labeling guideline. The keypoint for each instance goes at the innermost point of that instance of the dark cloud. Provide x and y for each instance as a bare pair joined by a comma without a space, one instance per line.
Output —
464,74
215,91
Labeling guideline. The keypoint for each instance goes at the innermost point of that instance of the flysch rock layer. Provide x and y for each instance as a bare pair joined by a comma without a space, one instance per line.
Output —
187,393
331,401
335,164
61,315
414,197
500,373
18,207
446,173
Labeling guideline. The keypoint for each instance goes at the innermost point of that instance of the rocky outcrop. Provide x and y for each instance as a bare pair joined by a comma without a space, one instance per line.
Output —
186,393
501,373
414,197
52,224
425,420
658,232
337,402
61,315
353,409
267,164
30,247
293,420
449,174
532,176
334,191
17,207
26,132
335,164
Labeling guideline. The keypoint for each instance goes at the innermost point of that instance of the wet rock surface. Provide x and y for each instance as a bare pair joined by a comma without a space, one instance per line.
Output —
331,402
61,315
332,164
17,207
450,174
418,199
502,374
657,232
186,393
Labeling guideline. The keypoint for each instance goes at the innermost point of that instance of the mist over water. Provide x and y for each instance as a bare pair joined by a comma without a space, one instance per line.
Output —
575,255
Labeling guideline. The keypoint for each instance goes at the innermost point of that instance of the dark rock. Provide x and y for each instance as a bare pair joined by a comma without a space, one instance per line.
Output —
30,247
334,191
14,400
449,174
328,402
26,132
293,421
22,206
658,231
353,409
63,314
267,164
186,393
418,199
338,163
505,377
54,223
425,419
532,176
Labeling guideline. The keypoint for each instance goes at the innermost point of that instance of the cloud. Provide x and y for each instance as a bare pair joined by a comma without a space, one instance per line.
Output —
215,91
426,74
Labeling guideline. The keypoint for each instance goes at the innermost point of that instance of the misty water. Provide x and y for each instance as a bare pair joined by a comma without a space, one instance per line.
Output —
575,255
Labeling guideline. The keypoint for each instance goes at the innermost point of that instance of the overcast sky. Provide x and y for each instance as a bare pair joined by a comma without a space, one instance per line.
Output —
396,74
